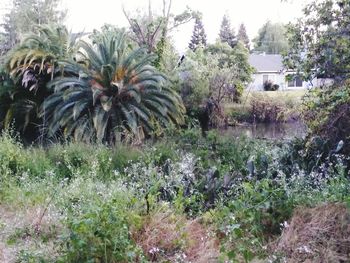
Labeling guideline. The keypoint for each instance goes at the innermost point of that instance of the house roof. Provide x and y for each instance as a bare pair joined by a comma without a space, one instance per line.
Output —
266,63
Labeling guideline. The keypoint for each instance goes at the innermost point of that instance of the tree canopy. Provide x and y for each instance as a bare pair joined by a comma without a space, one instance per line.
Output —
242,36
25,16
271,39
227,34
199,37
88,91
150,30
319,42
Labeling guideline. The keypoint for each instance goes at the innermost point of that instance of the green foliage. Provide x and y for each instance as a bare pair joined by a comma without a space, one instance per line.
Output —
31,65
114,89
218,71
99,233
242,36
227,34
271,39
265,109
108,29
199,37
96,195
150,30
269,86
25,16
110,89
319,43
326,112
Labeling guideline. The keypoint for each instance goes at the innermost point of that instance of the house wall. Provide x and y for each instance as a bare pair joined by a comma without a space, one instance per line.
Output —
280,79
320,83
258,80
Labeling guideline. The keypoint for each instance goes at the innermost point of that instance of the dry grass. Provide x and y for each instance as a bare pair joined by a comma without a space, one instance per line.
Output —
166,237
28,230
320,234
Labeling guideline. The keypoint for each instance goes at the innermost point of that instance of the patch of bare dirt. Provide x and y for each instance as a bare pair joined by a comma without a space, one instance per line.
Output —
26,229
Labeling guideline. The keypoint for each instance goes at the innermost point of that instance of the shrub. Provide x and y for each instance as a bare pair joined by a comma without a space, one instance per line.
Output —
270,86
99,234
327,114
267,85
275,87
265,109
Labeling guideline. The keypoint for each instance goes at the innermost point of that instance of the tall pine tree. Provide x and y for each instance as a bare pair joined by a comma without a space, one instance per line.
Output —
199,38
243,36
227,34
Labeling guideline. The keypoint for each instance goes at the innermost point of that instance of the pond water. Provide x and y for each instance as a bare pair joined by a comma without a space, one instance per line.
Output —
287,130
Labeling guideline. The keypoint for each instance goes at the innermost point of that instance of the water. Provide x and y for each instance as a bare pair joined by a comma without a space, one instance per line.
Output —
279,131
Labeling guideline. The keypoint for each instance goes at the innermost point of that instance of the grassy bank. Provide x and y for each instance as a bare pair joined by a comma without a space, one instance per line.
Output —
263,106
180,199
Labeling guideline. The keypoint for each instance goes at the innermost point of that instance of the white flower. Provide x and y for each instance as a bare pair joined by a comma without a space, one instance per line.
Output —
154,250
304,249
284,225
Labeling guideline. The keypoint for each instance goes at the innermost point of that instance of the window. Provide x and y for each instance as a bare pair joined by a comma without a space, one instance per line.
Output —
265,78
296,81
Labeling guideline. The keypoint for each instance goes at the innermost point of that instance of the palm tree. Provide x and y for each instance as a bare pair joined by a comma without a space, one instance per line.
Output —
110,89
38,54
31,65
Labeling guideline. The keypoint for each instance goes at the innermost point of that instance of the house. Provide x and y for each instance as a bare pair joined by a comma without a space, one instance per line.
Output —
270,68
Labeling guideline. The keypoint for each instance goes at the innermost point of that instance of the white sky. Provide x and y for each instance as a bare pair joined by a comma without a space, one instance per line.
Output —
85,15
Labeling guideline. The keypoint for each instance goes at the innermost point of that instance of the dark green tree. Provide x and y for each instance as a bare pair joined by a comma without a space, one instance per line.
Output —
271,39
31,65
110,89
242,36
319,42
199,38
227,34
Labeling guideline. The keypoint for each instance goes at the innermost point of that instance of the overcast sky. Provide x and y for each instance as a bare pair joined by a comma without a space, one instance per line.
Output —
90,14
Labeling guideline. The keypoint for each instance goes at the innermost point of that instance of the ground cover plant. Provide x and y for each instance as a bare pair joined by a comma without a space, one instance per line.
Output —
108,152
79,202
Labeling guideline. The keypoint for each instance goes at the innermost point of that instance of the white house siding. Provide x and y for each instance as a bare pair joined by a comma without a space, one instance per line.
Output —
320,83
280,79
276,78
272,68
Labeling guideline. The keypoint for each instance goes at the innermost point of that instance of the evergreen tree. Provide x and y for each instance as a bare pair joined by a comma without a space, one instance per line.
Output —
199,38
227,34
242,36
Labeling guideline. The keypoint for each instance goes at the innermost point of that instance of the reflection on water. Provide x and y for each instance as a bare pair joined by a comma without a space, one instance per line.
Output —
269,130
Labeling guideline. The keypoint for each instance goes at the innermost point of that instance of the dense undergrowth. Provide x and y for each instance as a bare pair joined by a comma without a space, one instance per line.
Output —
266,107
157,202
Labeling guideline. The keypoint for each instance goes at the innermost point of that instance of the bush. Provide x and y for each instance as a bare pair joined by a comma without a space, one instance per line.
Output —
99,234
265,109
269,86
327,114
275,87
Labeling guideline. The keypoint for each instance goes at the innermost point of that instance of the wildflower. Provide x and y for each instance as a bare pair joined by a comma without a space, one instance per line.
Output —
284,225
154,250
304,249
